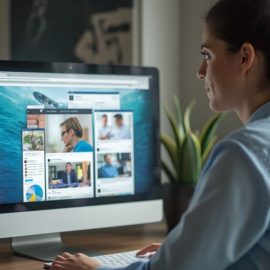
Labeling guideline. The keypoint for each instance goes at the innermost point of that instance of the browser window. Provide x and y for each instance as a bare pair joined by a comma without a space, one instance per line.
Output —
77,135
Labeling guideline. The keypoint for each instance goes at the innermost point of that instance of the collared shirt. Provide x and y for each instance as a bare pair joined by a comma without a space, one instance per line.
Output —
108,171
227,224
104,132
68,179
121,133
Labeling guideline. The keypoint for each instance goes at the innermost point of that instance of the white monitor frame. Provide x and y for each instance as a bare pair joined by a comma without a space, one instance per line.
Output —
36,231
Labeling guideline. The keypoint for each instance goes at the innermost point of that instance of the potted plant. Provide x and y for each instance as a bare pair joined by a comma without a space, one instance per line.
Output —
187,151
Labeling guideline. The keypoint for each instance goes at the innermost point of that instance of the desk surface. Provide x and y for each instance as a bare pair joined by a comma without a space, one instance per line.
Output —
104,241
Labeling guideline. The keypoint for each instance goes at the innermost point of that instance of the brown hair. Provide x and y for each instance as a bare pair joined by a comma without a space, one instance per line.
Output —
240,21
74,124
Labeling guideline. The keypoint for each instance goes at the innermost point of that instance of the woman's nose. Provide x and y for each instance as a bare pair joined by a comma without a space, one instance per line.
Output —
202,71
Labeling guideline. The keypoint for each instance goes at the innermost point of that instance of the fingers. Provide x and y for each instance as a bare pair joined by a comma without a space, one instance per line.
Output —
66,255
78,261
152,248
57,266
60,260
62,257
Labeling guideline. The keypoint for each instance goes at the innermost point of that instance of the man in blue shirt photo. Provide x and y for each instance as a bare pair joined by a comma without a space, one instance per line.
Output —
120,131
104,132
108,170
71,135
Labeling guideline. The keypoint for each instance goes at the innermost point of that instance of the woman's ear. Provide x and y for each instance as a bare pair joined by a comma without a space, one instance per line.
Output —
247,53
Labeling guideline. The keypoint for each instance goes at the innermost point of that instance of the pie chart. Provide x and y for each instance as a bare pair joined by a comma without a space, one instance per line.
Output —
34,194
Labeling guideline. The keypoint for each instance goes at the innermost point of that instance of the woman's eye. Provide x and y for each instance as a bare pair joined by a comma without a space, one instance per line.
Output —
205,55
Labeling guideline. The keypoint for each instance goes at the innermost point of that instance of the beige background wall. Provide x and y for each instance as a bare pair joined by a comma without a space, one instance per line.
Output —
161,43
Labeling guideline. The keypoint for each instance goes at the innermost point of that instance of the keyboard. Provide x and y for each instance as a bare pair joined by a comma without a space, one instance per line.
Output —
115,259
120,259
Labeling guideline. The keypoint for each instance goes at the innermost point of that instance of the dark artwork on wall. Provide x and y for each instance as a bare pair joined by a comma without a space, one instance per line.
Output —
90,31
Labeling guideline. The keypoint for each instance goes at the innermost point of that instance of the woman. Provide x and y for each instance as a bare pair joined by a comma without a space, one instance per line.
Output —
227,225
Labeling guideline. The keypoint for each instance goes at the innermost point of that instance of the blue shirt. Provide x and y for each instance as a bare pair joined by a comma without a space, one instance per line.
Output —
104,133
82,146
227,224
121,133
108,171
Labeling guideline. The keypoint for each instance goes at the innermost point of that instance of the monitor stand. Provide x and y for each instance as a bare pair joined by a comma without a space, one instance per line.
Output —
43,247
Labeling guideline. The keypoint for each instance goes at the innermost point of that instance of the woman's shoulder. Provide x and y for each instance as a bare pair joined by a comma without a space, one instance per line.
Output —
249,144
254,137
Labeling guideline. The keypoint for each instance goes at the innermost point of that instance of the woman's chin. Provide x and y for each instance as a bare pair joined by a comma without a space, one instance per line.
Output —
214,106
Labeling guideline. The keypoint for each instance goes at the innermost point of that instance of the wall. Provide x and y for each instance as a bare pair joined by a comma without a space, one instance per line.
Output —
160,45
4,29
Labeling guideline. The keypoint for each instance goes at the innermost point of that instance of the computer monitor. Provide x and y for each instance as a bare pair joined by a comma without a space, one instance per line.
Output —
79,150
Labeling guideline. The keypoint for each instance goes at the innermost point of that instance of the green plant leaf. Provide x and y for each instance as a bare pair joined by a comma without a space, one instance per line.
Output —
187,151
173,124
168,172
187,114
190,159
209,130
180,119
170,147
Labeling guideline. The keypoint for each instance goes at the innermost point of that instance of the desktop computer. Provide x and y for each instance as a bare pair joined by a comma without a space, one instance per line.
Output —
79,150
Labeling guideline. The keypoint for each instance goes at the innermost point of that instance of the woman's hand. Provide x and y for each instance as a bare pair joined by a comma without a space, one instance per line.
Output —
148,251
79,261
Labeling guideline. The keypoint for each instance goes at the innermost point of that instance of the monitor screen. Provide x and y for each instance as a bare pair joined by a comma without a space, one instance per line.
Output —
75,136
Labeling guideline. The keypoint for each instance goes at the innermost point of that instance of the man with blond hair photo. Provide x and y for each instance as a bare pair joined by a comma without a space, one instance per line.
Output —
71,135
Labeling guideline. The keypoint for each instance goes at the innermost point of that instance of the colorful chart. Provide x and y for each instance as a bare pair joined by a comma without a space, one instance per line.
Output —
34,194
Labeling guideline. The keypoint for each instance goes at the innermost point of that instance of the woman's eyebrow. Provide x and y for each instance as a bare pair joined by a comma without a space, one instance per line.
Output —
204,46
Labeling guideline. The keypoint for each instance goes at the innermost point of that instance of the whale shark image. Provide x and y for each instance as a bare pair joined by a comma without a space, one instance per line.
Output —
48,102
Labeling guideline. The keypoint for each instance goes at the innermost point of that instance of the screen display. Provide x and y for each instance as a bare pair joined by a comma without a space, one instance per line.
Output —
74,137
